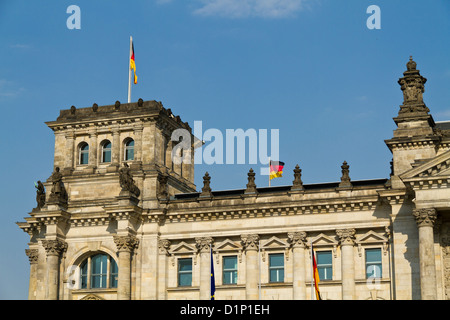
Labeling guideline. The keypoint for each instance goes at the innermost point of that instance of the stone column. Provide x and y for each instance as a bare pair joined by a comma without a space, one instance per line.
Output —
250,243
164,246
115,150
70,153
347,240
203,246
425,219
138,145
297,241
54,248
93,149
33,257
125,248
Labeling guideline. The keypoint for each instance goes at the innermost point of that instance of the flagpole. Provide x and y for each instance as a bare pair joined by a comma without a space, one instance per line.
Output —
129,71
210,272
269,171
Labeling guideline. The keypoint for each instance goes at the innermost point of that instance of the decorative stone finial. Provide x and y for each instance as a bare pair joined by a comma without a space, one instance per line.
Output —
95,107
413,87
140,102
206,190
73,109
345,179
411,65
297,184
251,186
117,105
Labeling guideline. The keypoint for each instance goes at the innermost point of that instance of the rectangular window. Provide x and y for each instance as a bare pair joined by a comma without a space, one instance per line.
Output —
276,267
325,265
185,272
373,263
114,273
106,155
84,275
99,268
230,270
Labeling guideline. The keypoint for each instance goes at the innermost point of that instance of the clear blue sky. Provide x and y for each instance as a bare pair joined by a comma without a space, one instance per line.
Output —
310,68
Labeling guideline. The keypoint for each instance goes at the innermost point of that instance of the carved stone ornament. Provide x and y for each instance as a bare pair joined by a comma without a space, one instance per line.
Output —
126,180
54,247
164,246
251,186
297,239
40,195
297,184
425,217
345,178
58,192
206,190
33,255
250,241
162,186
413,87
203,244
126,243
346,236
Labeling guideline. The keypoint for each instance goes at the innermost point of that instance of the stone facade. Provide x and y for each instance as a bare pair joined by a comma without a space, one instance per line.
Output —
121,220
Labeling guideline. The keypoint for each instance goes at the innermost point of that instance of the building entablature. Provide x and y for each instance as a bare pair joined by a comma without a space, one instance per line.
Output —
117,114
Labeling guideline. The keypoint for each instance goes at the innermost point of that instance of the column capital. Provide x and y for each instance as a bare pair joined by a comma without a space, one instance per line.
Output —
250,241
33,255
425,217
297,239
346,236
126,243
202,244
54,247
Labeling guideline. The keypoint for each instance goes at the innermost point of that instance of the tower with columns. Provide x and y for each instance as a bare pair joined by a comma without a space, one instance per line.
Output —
119,219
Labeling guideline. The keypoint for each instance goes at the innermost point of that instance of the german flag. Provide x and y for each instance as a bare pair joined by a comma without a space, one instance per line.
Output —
213,279
276,169
132,63
316,276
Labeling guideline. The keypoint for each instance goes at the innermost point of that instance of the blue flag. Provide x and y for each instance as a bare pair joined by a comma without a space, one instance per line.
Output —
213,280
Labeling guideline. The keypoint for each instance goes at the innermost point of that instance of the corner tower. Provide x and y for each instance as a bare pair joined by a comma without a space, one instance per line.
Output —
414,139
91,144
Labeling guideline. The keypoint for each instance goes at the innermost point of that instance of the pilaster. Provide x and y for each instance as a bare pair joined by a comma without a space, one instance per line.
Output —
347,241
425,219
250,243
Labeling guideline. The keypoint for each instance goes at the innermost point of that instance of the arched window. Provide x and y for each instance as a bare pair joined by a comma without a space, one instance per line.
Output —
106,151
84,153
129,150
99,271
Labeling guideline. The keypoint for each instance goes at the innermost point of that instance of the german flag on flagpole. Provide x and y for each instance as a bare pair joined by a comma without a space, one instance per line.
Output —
276,169
213,280
133,63
316,278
